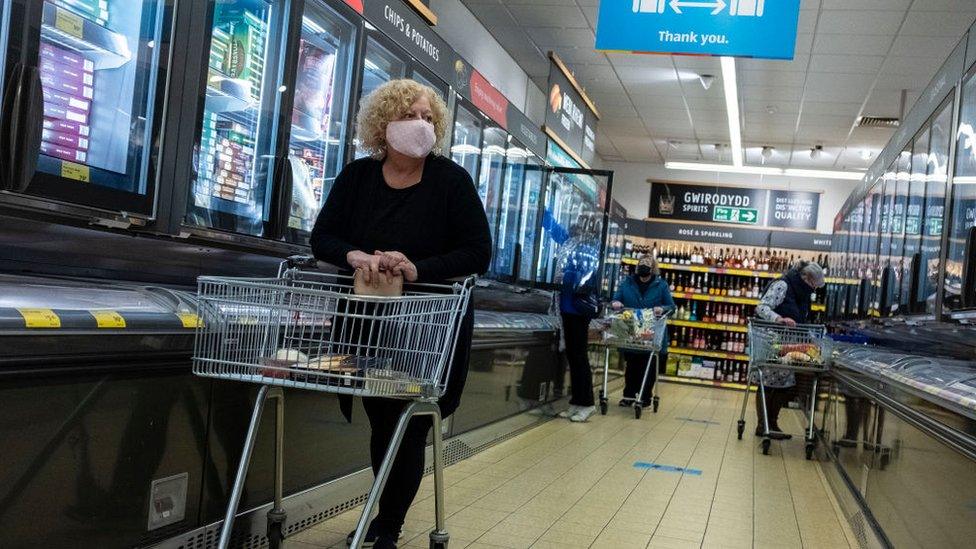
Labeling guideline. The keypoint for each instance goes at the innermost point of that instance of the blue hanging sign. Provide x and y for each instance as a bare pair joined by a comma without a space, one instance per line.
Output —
735,28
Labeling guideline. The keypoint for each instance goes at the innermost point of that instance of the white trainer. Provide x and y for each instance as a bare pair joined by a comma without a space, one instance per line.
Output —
583,414
571,411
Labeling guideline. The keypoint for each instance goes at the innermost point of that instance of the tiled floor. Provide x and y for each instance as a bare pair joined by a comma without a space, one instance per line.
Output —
576,485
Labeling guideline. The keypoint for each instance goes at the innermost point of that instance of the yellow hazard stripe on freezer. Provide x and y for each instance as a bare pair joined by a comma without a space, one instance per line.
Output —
190,320
108,319
40,318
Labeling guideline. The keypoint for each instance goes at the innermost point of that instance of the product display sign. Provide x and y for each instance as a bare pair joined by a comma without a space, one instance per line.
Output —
793,209
413,34
736,28
739,236
526,132
568,117
707,203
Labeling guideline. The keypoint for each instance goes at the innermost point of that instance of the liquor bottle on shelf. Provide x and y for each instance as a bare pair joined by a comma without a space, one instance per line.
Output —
654,251
694,313
670,278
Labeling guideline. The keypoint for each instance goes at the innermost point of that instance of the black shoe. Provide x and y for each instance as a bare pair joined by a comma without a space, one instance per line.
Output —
759,431
371,539
385,542
645,404
626,402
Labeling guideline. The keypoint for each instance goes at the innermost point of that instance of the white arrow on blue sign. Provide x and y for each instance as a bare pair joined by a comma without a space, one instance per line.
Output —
737,28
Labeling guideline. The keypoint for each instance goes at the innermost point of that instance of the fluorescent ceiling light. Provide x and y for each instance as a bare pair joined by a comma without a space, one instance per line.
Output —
764,170
732,107
723,168
824,174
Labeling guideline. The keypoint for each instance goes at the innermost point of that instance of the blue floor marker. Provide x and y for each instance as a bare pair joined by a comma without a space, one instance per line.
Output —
667,468
705,421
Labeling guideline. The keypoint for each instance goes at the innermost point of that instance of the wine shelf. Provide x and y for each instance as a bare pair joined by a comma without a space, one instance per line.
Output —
708,354
709,325
705,382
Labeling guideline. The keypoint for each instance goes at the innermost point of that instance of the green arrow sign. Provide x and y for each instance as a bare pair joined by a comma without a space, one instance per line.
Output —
745,216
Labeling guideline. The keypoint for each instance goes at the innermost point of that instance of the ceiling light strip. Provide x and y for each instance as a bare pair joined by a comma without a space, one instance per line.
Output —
764,170
732,107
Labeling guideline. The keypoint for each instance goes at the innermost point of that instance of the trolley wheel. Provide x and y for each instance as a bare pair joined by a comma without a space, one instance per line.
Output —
438,540
276,535
654,404
765,446
741,428
603,407
810,447
637,411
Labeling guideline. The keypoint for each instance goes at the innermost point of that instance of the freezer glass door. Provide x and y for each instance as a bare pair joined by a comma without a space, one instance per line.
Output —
913,215
491,173
899,209
963,210
573,219
380,65
232,186
100,65
530,223
466,145
319,116
935,199
510,211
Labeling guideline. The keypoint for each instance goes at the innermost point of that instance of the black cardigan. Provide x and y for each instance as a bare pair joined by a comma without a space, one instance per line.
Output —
439,223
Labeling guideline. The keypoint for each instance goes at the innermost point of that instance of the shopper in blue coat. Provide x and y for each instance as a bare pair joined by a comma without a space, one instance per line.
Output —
645,289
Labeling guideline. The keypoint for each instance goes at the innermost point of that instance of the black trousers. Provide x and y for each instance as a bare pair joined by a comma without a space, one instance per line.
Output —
634,374
576,334
776,399
408,467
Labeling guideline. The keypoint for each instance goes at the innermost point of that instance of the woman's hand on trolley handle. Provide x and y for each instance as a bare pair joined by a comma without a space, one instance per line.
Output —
786,321
398,264
370,264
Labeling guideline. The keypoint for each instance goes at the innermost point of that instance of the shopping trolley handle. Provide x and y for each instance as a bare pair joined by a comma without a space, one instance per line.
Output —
299,261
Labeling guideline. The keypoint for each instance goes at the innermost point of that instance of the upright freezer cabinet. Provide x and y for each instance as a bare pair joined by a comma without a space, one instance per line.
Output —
83,92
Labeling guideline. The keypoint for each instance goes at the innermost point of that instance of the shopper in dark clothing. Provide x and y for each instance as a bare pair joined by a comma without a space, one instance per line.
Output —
644,290
406,212
579,260
786,301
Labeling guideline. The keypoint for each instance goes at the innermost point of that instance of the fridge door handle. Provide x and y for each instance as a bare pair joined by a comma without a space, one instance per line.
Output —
8,153
281,201
29,128
21,120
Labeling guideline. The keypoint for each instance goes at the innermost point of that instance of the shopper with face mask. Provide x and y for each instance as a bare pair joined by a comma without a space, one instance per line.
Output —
786,301
404,211
645,289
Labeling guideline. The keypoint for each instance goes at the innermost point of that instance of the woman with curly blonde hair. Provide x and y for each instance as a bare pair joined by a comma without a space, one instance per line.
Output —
404,211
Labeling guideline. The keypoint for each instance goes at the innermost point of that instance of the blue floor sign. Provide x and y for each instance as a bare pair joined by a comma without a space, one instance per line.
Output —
667,468
737,28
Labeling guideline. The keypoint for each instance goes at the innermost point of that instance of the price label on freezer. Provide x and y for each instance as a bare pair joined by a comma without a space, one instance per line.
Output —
78,172
190,320
108,319
69,23
40,318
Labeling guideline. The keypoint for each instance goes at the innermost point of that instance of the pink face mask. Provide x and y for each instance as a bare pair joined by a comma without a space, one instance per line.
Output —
414,138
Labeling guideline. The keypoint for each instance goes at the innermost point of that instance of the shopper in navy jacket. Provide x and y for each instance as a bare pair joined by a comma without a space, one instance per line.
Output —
645,289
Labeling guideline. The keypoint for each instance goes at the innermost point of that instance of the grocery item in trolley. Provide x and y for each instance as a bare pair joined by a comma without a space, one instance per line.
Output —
779,345
634,328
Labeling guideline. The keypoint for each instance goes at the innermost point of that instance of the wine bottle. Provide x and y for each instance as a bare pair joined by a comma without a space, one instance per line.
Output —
694,313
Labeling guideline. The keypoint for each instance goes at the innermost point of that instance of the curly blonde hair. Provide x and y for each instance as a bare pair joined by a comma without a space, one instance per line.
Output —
388,103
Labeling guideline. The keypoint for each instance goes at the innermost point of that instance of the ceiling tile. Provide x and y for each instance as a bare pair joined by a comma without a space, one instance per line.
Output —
866,64
863,44
536,15
924,46
875,21
547,37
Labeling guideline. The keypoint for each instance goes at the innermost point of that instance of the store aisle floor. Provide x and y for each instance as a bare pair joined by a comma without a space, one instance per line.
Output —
676,479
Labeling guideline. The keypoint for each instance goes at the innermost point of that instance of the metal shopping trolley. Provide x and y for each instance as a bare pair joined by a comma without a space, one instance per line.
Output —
633,330
803,348
307,330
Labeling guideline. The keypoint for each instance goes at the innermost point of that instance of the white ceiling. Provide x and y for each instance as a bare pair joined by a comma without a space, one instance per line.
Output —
853,57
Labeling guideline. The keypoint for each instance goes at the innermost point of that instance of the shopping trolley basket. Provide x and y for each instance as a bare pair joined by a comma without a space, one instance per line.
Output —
800,348
308,330
638,330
